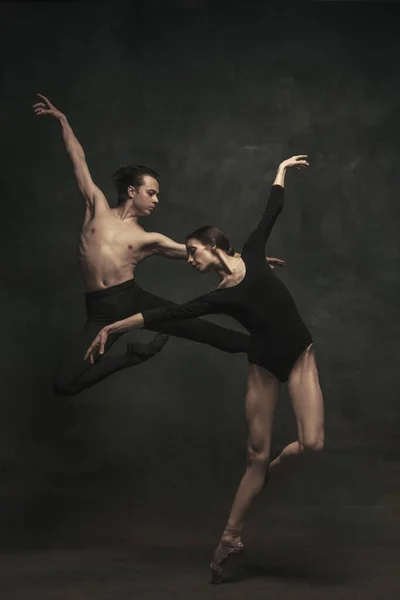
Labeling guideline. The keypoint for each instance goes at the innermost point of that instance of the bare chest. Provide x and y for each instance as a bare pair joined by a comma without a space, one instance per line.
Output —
111,236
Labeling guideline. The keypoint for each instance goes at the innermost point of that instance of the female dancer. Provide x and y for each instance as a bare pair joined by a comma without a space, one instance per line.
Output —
280,350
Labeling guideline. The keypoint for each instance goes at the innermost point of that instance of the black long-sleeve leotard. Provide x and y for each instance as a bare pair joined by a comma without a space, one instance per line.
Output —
260,302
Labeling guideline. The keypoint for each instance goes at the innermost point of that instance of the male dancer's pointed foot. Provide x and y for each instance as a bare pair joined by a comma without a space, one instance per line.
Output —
229,545
159,342
142,352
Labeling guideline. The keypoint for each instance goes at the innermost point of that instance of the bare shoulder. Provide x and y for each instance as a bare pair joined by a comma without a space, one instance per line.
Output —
151,239
96,205
142,243
100,200
153,236
140,238
161,245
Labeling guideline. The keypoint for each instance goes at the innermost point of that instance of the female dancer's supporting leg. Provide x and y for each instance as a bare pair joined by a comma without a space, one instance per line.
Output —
261,399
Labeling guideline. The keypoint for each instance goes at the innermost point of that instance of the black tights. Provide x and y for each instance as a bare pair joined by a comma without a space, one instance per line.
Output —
114,304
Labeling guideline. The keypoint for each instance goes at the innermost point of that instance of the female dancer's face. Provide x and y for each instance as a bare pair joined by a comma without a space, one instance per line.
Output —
200,256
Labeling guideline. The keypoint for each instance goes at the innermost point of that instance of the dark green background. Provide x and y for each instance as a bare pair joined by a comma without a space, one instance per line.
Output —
213,95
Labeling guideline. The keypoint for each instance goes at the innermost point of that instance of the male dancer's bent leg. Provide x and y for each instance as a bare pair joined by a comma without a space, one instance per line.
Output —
103,307
113,304
75,374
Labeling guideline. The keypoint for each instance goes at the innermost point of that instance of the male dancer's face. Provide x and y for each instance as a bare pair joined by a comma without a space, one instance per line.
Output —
145,198
200,256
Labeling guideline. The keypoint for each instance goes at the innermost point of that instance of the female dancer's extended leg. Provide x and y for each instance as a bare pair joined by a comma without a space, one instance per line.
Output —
308,405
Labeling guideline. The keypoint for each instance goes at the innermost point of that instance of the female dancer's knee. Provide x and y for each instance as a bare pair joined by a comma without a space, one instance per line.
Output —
257,458
313,442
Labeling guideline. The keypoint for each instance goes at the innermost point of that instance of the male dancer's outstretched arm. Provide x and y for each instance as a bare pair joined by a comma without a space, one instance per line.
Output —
94,198
167,248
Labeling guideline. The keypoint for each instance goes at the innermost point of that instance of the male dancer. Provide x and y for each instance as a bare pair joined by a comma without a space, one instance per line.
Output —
112,244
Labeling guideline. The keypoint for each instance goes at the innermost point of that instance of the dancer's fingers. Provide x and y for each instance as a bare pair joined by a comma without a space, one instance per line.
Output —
45,99
89,352
103,339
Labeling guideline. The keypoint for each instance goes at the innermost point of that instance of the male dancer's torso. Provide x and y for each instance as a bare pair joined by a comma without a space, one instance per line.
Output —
110,248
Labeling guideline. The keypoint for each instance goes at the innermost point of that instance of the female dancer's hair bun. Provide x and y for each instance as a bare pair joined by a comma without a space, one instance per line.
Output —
212,236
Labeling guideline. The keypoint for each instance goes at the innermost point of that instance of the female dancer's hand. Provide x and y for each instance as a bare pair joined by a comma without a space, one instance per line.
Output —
275,262
296,161
47,108
98,345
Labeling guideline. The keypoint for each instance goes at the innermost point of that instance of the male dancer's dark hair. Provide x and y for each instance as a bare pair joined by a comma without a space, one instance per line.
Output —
131,175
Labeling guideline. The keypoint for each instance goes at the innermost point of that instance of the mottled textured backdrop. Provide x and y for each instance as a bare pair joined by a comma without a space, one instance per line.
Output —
213,95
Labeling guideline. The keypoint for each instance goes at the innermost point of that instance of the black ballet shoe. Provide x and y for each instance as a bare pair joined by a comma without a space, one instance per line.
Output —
159,342
136,350
227,547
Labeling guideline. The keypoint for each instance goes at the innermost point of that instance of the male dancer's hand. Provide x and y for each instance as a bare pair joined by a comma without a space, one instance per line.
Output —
47,108
275,262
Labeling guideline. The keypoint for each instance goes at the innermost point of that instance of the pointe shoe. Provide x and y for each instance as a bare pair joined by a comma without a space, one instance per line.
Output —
225,549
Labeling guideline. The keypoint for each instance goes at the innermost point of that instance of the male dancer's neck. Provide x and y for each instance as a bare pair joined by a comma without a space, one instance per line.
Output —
126,212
